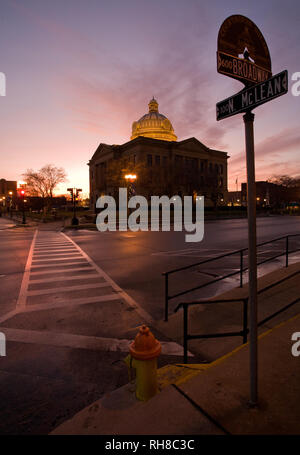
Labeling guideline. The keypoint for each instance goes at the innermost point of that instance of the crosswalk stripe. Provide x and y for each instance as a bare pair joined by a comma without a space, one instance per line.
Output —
53,255
74,302
59,289
55,259
35,266
60,270
64,278
130,301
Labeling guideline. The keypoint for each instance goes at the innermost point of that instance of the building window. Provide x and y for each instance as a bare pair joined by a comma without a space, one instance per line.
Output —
216,169
178,160
210,168
221,168
202,166
157,160
149,160
165,161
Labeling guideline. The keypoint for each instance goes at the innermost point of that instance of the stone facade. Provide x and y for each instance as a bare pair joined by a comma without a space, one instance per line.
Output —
185,167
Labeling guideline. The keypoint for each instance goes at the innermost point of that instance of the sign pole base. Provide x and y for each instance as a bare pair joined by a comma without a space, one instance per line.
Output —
251,198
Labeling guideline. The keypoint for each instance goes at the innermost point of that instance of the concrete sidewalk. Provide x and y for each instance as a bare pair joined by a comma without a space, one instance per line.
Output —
213,398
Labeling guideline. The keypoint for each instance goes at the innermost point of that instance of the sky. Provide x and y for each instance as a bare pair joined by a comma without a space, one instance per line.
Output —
79,72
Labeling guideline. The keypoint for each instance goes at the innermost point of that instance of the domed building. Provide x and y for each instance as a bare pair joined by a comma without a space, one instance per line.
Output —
153,125
163,165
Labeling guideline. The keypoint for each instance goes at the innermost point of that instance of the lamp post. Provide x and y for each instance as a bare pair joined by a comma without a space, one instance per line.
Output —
74,194
10,202
23,206
131,178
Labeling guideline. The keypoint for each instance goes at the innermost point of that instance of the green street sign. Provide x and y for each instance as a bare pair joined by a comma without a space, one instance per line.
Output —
253,96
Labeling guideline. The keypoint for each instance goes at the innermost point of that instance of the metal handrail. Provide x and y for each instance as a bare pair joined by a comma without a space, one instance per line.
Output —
241,270
245,330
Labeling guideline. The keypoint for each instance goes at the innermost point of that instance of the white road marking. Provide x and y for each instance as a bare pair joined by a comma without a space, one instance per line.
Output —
54,255
58,289
35,266
144,315
57,259
34,262
64,278
24,286
82,341
53,250
60,269
71,302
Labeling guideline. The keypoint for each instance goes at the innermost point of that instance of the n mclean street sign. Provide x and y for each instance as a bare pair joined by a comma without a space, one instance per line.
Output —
253,96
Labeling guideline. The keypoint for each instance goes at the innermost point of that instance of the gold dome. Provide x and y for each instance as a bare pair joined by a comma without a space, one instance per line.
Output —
154,125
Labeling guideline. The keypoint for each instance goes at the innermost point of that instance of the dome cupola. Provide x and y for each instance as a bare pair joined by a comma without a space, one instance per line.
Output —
154,125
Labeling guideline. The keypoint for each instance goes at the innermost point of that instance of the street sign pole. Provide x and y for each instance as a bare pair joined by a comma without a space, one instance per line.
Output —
243,54
252,260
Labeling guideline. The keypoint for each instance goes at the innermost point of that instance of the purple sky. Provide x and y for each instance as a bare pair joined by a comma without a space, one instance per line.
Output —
80,72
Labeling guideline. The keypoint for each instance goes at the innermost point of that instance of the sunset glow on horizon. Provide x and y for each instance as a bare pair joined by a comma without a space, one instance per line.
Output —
80,73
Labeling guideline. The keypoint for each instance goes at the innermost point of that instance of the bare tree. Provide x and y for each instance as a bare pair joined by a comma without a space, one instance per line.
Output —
285,180
43,182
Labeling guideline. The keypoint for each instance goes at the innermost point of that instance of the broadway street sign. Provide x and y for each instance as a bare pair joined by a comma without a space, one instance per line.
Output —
242,51
241,68
254,96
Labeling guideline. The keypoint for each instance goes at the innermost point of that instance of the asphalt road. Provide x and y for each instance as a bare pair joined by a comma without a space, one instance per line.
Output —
136,260
70,317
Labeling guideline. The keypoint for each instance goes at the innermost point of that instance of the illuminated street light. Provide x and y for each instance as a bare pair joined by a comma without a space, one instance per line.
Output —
130,177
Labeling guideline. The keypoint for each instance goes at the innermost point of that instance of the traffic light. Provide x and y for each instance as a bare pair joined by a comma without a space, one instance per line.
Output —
71,191
78,190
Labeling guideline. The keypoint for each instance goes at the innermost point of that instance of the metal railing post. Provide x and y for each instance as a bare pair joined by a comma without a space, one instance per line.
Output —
166,296
185,330
245,321
287,251
241,268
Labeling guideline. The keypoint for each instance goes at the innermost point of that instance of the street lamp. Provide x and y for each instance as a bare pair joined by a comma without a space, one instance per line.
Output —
22,192
131,178
10,202
74,194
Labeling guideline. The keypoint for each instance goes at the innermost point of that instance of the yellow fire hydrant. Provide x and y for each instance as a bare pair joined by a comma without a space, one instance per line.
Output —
144,351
